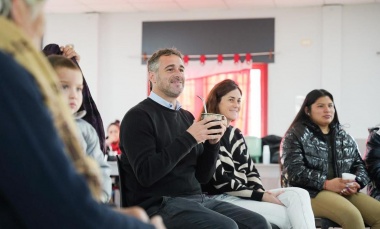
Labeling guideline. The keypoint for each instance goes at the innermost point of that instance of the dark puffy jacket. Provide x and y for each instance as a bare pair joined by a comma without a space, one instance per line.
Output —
305,157
373,162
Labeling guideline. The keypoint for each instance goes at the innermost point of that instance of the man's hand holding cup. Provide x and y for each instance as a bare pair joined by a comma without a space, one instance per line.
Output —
211,127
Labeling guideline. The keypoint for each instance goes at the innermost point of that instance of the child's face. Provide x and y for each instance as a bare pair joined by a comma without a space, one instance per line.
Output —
72,86
113,133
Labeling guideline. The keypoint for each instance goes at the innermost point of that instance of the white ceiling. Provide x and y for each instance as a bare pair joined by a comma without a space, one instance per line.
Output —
135,6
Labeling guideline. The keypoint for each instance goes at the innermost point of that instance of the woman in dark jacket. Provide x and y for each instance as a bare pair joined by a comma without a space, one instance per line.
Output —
315,152
373,162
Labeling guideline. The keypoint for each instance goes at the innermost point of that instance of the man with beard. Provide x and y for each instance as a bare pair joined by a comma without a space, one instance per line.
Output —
166,155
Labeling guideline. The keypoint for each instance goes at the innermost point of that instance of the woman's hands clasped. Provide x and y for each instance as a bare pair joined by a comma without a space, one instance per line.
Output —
343,187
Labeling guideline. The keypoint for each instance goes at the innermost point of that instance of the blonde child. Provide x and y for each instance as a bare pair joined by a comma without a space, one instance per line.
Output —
71,79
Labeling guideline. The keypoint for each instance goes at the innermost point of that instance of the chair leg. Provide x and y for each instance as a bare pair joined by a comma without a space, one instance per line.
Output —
327,223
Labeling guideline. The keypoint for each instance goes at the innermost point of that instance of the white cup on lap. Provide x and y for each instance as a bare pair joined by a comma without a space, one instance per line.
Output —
348,176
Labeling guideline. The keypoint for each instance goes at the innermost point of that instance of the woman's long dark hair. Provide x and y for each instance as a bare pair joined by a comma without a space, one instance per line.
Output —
217,92
310,99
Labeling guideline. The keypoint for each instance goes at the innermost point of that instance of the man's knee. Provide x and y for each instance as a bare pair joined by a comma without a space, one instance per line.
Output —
256,221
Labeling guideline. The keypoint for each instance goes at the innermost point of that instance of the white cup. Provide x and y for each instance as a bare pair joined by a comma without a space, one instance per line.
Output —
266,154
112,153
348,176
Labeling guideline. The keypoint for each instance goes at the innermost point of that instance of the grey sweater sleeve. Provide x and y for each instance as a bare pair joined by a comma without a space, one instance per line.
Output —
90,143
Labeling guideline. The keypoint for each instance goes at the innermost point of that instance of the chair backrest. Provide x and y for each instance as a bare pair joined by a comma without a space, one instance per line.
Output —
254,147
122,179
325,223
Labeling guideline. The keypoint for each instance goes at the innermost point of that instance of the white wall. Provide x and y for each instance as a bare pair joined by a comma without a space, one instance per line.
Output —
339,55
81,30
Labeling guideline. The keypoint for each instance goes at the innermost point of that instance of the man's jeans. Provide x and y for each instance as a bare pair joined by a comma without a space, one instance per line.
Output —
200,211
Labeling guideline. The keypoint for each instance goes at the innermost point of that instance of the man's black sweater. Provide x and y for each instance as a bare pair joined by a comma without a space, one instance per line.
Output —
159,157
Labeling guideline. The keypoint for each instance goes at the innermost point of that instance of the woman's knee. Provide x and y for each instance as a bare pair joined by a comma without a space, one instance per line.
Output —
300,191
350,217
295,195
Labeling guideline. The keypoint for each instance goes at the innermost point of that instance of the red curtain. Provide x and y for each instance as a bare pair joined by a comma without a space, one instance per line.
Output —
264,96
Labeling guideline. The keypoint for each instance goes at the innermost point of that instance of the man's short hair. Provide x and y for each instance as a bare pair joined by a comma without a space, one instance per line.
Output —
153,60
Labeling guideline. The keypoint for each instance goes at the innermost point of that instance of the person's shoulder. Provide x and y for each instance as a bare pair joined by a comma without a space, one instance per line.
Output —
6,59
340,130
234,129
9,68
297,127
374,130
186,112
187,115
343,134
236,133
85,127
374,136
140,111
296,131
83,123
145,105
14,76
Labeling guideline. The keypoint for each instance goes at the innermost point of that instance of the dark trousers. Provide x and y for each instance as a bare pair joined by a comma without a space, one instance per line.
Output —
200,212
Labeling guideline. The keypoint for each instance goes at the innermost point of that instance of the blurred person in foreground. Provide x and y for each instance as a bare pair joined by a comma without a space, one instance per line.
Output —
47,181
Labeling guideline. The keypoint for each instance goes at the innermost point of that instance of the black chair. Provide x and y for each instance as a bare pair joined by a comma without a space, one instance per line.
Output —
122,187
325,223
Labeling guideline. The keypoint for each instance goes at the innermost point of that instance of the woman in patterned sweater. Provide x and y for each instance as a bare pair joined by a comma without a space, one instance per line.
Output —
237,180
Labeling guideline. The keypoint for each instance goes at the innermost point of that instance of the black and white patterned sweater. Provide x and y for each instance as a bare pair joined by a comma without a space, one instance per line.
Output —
235,173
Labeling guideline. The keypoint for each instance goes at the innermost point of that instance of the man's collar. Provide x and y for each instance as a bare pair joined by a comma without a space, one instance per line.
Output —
163,102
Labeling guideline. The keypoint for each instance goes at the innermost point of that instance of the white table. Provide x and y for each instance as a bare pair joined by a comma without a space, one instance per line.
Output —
114,169
270,175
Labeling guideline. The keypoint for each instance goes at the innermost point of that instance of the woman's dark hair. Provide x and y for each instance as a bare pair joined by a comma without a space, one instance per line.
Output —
216,94
310,99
